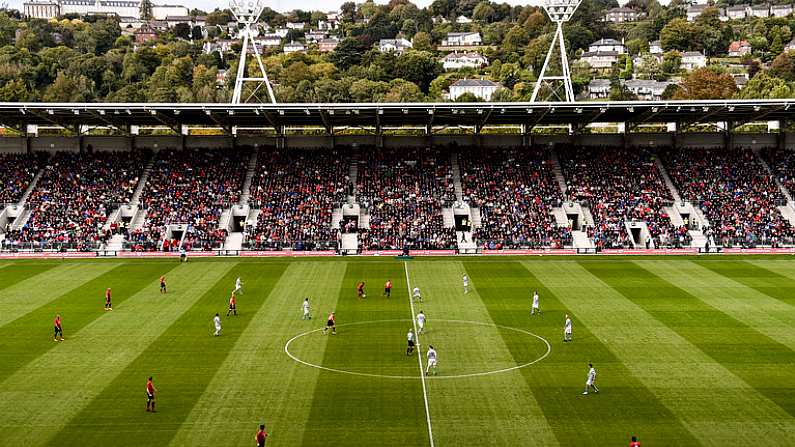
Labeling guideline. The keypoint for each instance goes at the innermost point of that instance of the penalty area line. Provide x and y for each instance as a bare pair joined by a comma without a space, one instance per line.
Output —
419,355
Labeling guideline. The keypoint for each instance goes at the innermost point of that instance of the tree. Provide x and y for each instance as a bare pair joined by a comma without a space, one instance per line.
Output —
347,54
68,89
468,97
502,95
145,10
422,42
705,83
783,66
365,90
764,86
679,34
182,30
401,90
419,67
483,12
648,68
16,90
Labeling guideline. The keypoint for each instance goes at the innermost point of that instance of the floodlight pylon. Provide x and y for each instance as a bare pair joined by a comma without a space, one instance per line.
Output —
247,14
559,11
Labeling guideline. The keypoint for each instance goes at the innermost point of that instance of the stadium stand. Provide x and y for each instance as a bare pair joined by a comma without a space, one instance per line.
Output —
783,165
18,171
404,191
515,190
191,187
735,192
619,186
296,193
74,197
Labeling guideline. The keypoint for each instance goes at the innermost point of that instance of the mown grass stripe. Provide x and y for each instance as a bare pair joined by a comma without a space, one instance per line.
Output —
731,323
29,336
56,386
629,407
501,408
349,410
704,393
257,382
755,276
184,359
28,286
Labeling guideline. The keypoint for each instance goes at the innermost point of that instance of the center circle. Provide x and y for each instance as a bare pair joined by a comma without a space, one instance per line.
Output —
423,339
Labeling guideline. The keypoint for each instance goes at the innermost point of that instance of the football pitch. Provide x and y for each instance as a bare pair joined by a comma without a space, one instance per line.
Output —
688,351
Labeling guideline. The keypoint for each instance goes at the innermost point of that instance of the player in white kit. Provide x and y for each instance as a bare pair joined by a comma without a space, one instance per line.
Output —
590,382
431,360
535,304
567,329
420,322
466,284
417,295
307,315
217,323
238,286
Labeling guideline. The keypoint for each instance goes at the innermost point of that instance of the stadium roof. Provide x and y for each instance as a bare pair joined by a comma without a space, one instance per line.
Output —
380,115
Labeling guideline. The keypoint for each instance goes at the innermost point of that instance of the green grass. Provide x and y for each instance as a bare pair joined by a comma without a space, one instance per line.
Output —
689,351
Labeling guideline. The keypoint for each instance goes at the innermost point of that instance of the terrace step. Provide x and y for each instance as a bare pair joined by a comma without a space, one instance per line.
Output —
556,169
139,189
448,217
474,213
581,240
116,243
22,218
234,241
349,243
23,200
245,194
466,242
457,184
788,212
667,179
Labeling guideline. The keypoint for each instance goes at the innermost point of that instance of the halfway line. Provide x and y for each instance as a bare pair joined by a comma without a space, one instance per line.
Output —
419,354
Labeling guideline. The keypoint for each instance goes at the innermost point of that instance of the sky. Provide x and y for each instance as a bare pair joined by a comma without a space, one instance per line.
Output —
284,5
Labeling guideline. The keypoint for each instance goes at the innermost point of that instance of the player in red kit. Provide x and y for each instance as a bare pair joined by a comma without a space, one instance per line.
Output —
388,288
634,442
150,395
58,328
108,305
232,308
331,323
262,435
360,290
163,284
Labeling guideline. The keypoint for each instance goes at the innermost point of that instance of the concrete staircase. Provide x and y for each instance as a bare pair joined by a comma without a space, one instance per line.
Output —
136,197
667,179
116,243
475,216
245,191
349,243
22,218
769,170
30,187
580,240
558,171
234,241
336,217
457,185
448,217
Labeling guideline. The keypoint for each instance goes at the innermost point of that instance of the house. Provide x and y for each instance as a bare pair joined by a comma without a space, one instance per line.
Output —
737,12
192,21
781,10
220,77
481,88
692,60
599,89
740,80
397,45
762,11
462,40
324,25
294,47
739,48
621,15
655,47
334,17
694,11
454,61
269,40
647,90
145,33
282,32
790,46
296,25
603,45
439,19
327,45
41,9
600,60
219,45
315,36
463,19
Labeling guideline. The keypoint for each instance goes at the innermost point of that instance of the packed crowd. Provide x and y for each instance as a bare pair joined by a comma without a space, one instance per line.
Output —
74,197
619,186
296,193
18,170
515,190
191,187
782,163
736,193
404,191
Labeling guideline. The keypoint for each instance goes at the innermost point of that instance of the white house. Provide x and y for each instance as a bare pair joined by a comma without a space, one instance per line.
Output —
762,11
621,15
739,48
599,89
781,10
294,47
601,59
397,45
296,25
603,45
481,88
119,8
315,36
790,46
269,40
655,47
692,60
454,61
463,19
282,32
220,45
737,12
462,40
41,9
647,90
694,11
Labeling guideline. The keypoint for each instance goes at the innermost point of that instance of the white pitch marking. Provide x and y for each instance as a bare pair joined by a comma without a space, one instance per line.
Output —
419,353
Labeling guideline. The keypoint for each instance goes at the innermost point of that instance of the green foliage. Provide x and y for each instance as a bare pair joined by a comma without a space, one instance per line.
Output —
764,86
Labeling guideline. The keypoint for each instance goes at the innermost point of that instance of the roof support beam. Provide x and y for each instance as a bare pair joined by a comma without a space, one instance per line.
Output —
166,121
688,124
110,121
46,117
479,125
756,117
326,123
643,117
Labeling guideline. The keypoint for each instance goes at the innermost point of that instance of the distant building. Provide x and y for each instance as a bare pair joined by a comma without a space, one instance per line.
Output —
463,19
481,88
462,40
762,11
327,45
621,15
790,46
454,61
600,60
781,10
47,9
740,80
602,45
269,40
737,12
282,32
692,60
219,45
739,48
646,90
145,33
655,47
294,47
41,9
397,45
192,21
694,11
599,89
315,36
296,25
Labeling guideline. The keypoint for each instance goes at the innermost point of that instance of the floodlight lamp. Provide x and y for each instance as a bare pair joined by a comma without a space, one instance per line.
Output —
246,11
561,10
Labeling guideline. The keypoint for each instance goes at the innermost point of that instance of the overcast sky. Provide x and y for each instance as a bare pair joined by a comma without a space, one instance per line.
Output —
282,5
